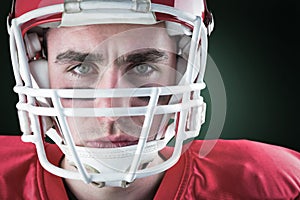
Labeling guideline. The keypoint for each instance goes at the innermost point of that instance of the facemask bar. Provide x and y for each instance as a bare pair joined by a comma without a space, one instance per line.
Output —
196,65
27,101
59,94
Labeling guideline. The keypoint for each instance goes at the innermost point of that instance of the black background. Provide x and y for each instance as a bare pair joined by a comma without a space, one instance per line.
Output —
254,45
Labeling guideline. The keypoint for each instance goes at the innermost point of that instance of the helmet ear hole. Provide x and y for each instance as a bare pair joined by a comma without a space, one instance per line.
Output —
39,72
33,44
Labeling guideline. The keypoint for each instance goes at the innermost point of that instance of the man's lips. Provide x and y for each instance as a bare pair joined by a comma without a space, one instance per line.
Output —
111,142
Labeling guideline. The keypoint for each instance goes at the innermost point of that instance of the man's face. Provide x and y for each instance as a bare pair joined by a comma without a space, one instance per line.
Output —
106,57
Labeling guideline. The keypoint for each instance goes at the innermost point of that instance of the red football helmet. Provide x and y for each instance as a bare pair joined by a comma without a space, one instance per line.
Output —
42,114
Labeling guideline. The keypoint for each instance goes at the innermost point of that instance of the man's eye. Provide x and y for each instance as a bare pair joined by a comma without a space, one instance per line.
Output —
143,69
82,69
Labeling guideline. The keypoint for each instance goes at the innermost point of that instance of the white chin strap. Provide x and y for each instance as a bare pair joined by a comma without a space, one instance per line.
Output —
111,160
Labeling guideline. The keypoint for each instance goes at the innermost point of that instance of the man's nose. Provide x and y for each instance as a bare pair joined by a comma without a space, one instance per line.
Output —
111,79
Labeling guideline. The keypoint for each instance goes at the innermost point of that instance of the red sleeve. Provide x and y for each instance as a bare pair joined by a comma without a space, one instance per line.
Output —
22,176
234,169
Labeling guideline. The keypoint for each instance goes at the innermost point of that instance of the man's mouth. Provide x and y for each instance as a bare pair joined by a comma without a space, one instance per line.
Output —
111,142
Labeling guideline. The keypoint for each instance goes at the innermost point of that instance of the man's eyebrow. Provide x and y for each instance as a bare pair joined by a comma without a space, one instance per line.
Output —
143,55
71,56
138,56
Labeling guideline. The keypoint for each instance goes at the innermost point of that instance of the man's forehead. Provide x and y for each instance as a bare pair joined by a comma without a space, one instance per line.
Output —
109,28
122,38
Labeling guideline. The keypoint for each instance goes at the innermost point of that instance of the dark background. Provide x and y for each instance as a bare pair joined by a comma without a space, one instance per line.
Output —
254,45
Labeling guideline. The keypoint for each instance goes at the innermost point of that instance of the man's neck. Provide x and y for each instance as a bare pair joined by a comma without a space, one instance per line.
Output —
144,188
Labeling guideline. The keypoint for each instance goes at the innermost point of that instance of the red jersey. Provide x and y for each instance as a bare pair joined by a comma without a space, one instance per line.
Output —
233,169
